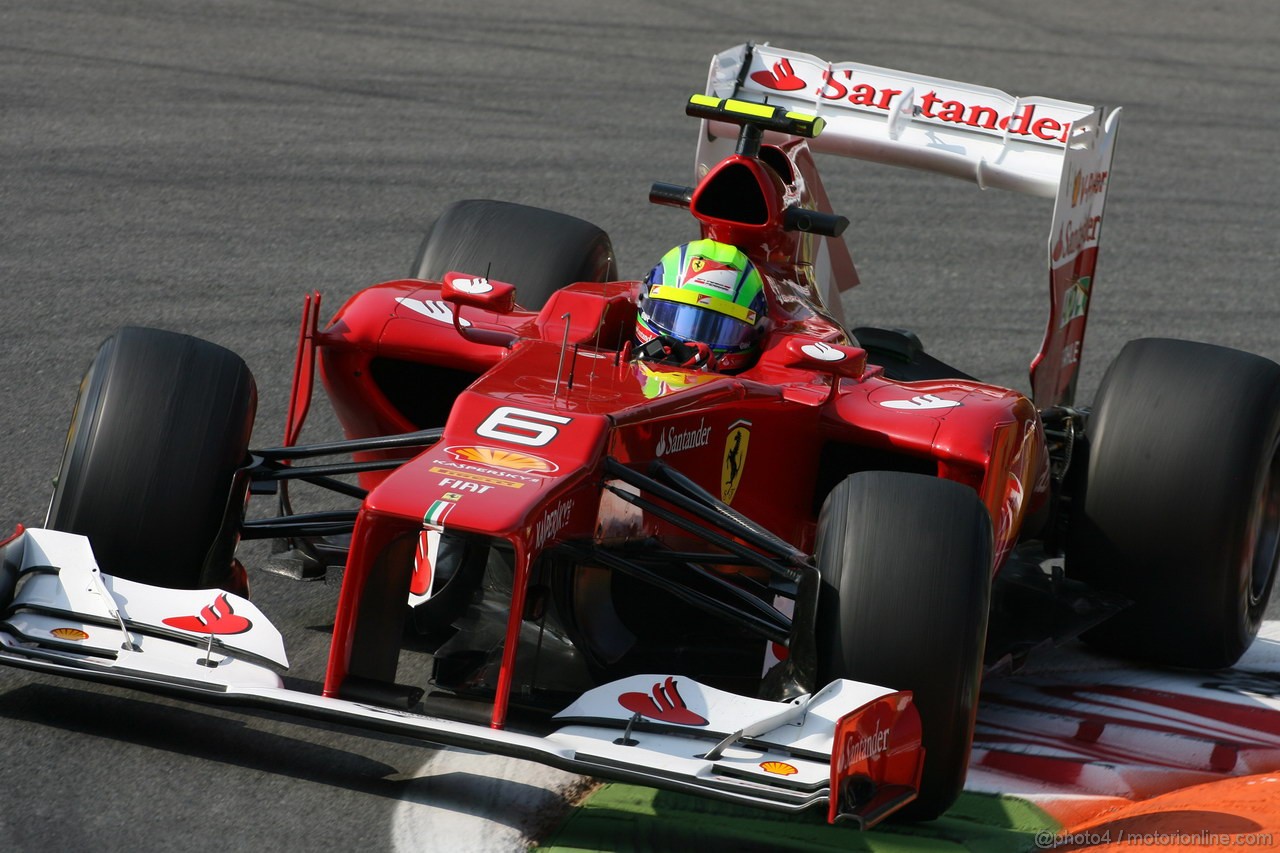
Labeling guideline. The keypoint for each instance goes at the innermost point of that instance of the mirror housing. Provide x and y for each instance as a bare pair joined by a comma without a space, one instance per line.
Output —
837,359
478,292
474,291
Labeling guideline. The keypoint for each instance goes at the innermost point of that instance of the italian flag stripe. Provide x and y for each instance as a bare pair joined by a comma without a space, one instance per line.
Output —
437,511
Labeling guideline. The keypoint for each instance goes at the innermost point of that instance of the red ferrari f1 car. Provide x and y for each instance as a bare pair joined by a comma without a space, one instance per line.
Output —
689,531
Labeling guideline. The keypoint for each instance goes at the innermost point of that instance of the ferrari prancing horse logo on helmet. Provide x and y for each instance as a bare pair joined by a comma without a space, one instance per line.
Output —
735,459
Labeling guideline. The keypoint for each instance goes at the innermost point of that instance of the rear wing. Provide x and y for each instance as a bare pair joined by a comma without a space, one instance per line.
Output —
1033,145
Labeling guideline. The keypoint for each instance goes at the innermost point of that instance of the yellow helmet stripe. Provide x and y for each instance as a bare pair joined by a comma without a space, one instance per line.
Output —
703,300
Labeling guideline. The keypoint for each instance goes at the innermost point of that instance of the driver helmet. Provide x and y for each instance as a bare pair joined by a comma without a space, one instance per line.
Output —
705,293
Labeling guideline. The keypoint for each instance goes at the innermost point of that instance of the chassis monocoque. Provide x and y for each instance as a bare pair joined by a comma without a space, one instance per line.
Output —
781,586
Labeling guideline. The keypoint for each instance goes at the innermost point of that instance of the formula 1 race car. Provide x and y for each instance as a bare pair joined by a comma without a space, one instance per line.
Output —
690,531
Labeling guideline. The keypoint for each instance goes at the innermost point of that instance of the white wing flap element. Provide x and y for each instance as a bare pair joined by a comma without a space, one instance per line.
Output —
972,132
676,701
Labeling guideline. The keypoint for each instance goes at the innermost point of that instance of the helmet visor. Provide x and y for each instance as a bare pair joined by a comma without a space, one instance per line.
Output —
690,323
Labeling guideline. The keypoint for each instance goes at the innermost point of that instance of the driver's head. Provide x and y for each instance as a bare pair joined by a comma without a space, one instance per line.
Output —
705,293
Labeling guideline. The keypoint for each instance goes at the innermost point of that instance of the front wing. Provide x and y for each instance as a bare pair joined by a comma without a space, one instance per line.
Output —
60,615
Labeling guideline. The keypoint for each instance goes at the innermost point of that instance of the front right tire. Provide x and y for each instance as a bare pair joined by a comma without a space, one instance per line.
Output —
161,425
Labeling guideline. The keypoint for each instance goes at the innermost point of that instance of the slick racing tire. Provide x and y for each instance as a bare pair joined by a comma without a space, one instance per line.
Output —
1181,506
905,561
539,251
148,473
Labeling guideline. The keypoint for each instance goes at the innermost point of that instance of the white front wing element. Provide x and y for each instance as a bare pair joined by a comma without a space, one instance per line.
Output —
64,601
664,730
804,725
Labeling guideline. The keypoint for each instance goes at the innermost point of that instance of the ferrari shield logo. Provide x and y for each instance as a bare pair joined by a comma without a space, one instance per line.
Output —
735,459
697,263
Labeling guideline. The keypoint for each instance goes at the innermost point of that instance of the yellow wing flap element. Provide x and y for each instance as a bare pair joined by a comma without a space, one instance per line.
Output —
765,116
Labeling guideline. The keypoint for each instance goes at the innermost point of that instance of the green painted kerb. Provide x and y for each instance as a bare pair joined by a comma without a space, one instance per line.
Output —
626,818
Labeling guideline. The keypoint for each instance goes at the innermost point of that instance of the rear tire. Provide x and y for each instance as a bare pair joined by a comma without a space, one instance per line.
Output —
1181,504
539,251
906,584
148,473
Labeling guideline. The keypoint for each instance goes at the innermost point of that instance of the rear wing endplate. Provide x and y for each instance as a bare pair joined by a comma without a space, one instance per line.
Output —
1033,145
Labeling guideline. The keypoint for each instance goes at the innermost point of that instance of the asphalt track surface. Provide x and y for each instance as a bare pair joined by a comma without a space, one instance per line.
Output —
198,166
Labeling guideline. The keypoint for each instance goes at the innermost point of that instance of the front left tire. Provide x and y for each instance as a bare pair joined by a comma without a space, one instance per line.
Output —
906,563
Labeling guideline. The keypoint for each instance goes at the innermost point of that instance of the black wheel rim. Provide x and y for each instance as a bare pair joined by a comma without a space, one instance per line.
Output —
1266,532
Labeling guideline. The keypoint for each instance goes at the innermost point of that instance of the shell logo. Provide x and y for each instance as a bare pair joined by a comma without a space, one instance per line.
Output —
509,460
69,634
778,768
